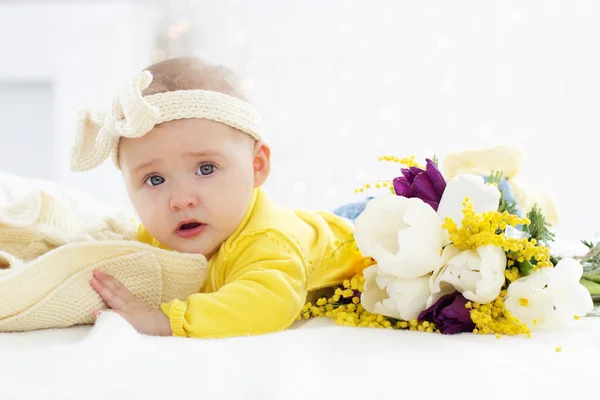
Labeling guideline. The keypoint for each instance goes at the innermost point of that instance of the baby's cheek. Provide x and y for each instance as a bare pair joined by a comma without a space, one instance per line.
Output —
153,219
149,215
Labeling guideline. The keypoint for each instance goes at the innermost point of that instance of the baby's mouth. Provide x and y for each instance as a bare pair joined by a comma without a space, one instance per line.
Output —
189,225
190,229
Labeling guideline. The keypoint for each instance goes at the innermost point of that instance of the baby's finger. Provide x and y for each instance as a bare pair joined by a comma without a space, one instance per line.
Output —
106,279
108,295
96,313
113,284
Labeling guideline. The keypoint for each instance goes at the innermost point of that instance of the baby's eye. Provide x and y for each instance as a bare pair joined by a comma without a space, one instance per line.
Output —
154,180
206,169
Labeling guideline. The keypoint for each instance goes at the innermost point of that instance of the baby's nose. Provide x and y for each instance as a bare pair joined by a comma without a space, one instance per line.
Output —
183,199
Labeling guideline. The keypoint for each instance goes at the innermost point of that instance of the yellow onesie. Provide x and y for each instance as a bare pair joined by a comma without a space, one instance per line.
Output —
260,278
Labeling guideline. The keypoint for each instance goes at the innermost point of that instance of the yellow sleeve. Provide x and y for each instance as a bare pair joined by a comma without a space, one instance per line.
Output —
264,291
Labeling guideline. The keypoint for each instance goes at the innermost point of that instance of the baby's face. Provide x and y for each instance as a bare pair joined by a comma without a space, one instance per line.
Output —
191,181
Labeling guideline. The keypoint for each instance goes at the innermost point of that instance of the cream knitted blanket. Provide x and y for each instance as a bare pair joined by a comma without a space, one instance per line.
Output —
48,252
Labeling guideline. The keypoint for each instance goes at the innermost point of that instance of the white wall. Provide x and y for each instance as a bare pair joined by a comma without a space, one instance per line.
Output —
26,110
74,54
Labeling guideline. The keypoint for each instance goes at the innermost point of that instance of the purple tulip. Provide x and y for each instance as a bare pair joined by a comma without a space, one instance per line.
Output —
449,314
427,185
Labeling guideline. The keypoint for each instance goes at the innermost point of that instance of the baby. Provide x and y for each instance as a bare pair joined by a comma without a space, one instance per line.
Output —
193,157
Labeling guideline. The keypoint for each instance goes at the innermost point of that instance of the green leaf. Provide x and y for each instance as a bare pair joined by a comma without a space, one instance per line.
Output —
589,245
538,228
510,208
591,286
593,278
526,267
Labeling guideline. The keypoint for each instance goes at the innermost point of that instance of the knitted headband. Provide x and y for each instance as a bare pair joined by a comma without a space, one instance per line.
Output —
133,115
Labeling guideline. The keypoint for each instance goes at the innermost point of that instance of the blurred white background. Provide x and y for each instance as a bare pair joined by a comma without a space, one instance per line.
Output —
339,83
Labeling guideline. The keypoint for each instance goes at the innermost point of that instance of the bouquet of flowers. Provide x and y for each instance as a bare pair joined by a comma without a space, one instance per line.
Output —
455,255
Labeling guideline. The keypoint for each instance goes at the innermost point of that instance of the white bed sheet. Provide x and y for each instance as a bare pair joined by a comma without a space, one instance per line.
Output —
313,360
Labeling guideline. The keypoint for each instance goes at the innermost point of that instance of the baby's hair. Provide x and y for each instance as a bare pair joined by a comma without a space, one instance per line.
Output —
191,73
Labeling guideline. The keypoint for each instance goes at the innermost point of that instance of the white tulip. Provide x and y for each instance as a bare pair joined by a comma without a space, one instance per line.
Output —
478,275
550,297
570,298
403,235
484,197
394,297
529,301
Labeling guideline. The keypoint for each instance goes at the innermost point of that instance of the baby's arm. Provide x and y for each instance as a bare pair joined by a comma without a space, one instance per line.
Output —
264,291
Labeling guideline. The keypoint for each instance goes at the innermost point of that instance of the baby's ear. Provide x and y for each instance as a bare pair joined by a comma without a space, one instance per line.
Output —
261,163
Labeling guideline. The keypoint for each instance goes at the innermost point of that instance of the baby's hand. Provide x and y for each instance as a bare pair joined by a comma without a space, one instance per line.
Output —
140,315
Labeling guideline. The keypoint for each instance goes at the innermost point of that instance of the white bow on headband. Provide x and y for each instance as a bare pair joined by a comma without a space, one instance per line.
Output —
133,115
